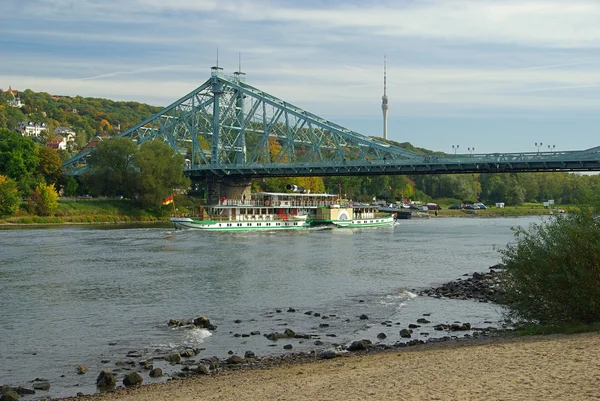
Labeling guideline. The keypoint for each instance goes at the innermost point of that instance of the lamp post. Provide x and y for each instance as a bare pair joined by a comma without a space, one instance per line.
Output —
471,150
455,147
538,146
551,148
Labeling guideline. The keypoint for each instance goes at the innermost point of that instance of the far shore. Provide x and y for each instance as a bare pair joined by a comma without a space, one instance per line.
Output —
91,223
431,214
554,367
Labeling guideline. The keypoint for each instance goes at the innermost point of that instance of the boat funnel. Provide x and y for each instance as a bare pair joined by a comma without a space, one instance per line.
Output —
295,188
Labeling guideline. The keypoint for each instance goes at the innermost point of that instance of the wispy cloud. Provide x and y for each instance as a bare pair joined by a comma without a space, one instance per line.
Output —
444,57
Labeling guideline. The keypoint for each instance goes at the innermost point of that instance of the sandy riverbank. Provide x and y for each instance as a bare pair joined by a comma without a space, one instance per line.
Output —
553,367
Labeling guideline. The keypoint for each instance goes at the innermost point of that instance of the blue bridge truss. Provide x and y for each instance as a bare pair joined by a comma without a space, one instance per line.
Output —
227,129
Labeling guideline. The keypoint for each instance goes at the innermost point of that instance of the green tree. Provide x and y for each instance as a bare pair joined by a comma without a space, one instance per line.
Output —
112,168
44,200
9,197
49,164
159,171
552,271
146,174
17,155
71,186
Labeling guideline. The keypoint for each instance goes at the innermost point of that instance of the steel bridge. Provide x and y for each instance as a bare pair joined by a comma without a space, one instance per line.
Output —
229,130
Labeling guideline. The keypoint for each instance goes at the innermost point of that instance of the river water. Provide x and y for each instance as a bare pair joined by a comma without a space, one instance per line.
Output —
89,295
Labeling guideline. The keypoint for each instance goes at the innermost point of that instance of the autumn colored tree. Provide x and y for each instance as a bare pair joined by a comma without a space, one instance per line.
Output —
9,197
44,200
49,165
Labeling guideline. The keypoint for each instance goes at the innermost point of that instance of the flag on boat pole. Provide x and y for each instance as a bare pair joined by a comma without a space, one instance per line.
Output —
168,201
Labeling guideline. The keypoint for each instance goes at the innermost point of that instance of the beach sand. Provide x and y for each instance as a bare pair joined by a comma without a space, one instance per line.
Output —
556,367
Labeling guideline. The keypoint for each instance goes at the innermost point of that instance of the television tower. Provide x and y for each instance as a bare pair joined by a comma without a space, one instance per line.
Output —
384,100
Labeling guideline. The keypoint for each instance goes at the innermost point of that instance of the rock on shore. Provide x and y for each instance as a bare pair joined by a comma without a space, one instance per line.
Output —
482,287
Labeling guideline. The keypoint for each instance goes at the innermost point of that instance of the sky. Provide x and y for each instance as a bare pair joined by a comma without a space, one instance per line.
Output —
464,76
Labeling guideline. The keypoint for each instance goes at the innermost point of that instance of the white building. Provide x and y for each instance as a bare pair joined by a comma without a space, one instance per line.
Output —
16,101
59,143
31,129
65,132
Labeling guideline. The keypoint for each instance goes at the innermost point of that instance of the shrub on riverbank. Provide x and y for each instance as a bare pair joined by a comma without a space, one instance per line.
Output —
552,270
92,211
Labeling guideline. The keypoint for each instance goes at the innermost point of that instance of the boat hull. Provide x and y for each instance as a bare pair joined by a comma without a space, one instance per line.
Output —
263,225
376,222
358,223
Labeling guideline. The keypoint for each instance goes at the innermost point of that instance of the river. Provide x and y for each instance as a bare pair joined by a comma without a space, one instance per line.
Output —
88,295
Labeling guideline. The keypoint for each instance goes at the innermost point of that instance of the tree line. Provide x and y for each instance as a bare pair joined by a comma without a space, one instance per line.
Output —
88,117
32,173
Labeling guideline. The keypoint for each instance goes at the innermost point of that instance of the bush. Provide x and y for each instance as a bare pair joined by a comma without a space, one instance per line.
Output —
44,200
9,197
553,270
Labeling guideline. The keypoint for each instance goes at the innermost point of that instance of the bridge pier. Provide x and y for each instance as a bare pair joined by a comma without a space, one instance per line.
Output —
235,188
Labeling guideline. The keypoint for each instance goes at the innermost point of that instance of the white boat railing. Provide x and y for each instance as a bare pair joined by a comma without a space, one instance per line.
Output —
279,203
255,217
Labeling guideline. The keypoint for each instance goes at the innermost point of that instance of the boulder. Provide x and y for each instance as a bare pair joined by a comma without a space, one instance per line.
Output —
133,379
81,369
106,379
381,336
175,357
406,333
188,353
328,354
44,386
156,372
361,345
202,370
10,395
363,317
235,360
24,391
423,321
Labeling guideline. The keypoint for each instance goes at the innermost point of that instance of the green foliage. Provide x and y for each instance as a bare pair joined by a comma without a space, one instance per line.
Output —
159,171
146,174
17,155
112,168
49,165
71,186
552,271
572,328
44,200
9,197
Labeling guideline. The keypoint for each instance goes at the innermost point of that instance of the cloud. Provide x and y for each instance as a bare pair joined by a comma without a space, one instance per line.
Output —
443,56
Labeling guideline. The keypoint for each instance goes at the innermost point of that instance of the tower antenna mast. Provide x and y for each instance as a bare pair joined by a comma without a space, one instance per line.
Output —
384,98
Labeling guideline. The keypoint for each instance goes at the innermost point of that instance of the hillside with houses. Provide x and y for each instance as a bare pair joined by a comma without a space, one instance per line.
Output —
67,123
